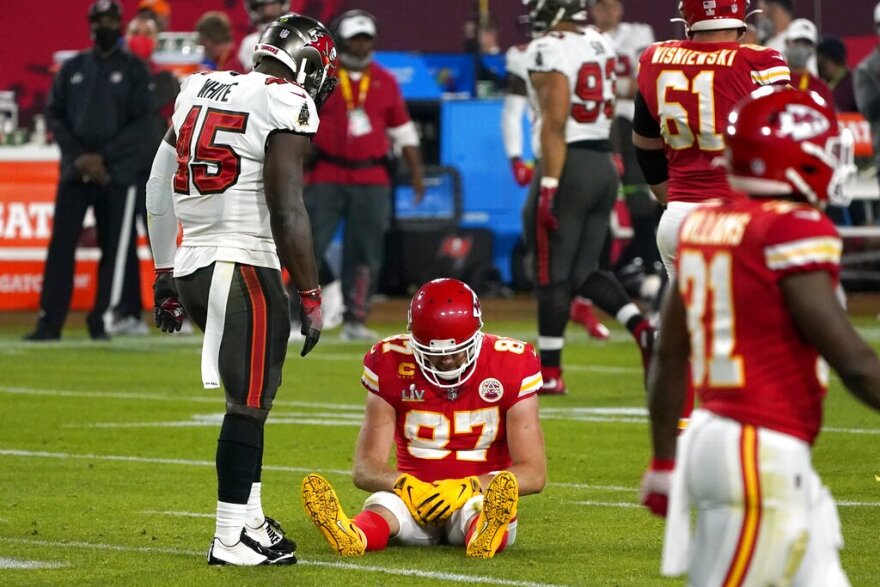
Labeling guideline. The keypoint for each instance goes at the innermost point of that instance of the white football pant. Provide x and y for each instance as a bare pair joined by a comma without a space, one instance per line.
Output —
452,532
763,515
667,233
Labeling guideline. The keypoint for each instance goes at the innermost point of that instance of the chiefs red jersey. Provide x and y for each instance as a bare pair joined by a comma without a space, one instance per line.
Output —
748,361
443,435
690,88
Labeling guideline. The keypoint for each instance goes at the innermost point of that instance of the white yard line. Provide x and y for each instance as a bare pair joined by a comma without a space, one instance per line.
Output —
610,414
607,504
14,563
178,514
453,577
130,459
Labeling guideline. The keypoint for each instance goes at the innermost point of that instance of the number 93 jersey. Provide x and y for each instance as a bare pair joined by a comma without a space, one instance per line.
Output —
442,438
588,60
690,88
223,121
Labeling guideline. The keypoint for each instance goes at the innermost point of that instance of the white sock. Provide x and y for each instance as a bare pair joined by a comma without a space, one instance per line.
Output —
627,312
230,522
255,516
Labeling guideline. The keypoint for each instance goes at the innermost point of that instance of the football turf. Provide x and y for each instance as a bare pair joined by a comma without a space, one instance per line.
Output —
107,460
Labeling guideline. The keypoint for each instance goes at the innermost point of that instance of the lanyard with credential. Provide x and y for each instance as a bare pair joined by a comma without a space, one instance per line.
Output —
345,86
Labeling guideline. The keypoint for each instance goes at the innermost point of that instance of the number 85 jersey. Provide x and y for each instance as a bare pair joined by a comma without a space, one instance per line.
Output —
442,438
223,122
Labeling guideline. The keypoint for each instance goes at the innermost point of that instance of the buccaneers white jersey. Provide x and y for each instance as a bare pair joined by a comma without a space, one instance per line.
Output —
516,64
587,59
629,40
222,121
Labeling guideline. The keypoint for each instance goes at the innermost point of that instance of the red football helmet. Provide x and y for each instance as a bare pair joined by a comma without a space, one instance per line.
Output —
784,141
445,319
712,15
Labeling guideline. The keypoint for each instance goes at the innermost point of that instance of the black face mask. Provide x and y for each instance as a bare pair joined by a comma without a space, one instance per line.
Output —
105,38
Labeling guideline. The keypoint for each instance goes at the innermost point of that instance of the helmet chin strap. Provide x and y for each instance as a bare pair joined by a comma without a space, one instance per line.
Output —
349,61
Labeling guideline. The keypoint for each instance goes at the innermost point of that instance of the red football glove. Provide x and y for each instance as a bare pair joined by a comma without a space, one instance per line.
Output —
619,164
654,493
522,171
311,318
168,312
546,219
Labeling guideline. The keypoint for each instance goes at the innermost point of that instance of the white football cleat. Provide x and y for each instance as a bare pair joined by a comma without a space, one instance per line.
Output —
245,553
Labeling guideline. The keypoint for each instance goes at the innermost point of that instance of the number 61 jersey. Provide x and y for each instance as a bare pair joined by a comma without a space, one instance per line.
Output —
442,438
689,88
223,121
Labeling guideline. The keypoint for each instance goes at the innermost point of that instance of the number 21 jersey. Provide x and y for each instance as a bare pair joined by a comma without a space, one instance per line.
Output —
690,88
223,122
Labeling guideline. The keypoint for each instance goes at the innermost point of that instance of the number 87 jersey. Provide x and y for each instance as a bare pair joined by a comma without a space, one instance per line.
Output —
445,434
689,89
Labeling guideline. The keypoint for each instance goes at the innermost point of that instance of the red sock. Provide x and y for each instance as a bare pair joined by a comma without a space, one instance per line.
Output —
374,527
472,527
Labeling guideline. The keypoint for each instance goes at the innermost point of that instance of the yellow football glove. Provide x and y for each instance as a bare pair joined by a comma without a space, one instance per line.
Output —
412,491
448,496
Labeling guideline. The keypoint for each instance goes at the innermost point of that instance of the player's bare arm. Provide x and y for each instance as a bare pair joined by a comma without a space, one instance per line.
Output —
555,104
525,441
371,469
283,180
821,320
667,376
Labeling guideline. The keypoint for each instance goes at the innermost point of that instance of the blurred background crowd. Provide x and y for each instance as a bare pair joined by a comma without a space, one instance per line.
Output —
454,205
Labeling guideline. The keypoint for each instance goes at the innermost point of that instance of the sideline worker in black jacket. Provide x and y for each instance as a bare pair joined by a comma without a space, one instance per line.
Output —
99,110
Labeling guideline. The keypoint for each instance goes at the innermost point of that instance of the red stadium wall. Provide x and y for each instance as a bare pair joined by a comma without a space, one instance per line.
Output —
32,31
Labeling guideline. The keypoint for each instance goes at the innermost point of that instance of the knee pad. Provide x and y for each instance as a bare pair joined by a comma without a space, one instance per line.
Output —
257,415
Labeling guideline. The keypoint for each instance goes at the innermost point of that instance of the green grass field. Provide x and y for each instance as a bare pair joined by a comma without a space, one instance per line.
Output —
107,460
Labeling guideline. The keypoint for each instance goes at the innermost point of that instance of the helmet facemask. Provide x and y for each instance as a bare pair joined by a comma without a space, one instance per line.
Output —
457,376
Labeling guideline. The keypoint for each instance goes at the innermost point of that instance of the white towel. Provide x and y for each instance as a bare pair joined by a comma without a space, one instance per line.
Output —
221,281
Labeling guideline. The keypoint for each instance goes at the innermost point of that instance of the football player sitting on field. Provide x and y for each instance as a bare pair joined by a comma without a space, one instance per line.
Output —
461,407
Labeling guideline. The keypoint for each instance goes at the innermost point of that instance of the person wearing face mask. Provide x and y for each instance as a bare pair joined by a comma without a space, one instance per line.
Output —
800,49
773,22
140,39
350,179
99,112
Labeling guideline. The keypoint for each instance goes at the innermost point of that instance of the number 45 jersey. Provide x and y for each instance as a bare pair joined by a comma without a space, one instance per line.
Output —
690,88
442,438
223,121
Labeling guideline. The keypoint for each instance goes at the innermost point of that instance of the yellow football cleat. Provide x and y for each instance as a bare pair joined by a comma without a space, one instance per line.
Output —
323,508
499,508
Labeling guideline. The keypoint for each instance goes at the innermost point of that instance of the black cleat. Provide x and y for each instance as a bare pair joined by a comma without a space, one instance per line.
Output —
271,536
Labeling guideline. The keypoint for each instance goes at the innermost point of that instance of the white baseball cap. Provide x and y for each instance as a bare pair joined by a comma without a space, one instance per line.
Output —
356,24
802,29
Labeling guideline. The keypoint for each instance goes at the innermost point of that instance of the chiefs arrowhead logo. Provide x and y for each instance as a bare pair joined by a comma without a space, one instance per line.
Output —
801,122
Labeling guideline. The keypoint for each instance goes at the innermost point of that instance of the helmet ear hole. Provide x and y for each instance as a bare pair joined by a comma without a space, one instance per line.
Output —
305,47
